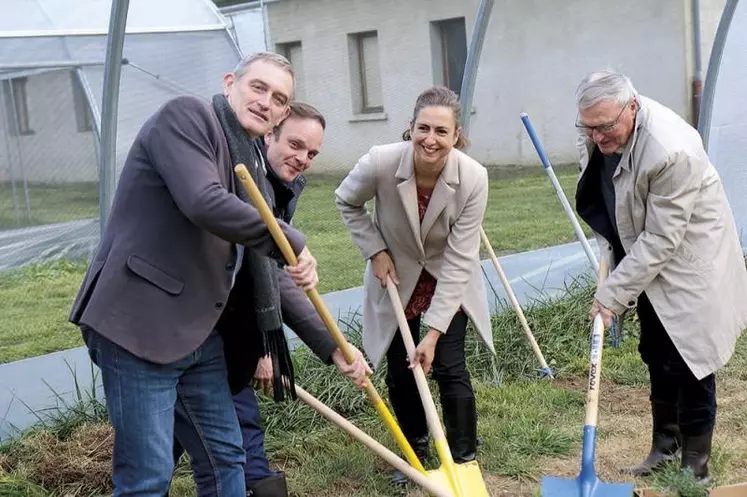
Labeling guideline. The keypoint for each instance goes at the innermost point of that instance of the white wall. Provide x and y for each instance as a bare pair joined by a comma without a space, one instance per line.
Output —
56,152
535,53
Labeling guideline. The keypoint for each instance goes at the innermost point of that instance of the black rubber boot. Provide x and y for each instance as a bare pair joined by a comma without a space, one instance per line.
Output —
420,447
460,421
696,452
666,440
272,486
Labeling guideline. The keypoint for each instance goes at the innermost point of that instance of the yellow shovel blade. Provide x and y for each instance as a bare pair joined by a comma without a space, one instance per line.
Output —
470,479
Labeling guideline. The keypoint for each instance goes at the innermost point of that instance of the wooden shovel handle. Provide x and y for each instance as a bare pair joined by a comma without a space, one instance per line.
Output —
431,414
285,248
378,449
514,302
597,348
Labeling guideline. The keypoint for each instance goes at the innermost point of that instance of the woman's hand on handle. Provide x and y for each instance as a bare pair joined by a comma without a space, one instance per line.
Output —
383,266
426,350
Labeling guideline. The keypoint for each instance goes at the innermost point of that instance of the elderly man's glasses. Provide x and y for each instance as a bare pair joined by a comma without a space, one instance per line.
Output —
602,128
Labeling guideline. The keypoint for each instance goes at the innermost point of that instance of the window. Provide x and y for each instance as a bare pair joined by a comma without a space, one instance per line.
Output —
17,104
292,52
449,43
83,118
363,50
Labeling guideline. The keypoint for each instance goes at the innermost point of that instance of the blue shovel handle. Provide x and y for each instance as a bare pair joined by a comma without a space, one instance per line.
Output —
580,236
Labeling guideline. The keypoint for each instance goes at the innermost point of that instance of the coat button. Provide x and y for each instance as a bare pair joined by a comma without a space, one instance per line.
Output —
219,305
631,303
230,266
422,263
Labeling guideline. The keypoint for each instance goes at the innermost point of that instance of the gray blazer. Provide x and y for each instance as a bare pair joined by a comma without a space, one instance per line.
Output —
162,273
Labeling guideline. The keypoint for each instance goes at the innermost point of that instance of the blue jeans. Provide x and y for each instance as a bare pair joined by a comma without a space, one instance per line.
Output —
142,397
257,467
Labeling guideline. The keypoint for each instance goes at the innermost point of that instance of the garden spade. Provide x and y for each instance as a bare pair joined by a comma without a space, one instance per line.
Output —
316,299
465,480
587,483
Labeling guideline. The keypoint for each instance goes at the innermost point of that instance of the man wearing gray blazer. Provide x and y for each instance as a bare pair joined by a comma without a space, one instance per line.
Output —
168,258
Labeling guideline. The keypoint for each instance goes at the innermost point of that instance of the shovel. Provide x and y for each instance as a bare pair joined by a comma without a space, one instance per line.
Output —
316,299
465,480
421,479
546,371
588,484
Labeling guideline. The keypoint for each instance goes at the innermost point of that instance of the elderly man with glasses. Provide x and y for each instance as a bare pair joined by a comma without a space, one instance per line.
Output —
658,208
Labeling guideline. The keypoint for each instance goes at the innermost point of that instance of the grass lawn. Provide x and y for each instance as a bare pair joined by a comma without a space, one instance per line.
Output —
48,203
523,213
531,427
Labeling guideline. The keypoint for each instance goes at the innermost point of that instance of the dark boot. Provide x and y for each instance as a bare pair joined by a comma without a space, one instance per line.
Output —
272,486
460,421
666,441
696,451
420,447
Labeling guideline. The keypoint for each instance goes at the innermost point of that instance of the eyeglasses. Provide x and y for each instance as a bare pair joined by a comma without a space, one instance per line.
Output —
602,128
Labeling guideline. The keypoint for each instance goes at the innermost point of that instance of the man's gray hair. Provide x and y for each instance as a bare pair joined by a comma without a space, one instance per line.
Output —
271,57
604,85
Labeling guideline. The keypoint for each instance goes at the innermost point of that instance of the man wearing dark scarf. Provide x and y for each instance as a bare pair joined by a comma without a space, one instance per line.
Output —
150,302
281,156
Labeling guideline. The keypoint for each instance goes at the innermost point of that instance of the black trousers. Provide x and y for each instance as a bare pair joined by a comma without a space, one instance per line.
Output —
671,379
449,369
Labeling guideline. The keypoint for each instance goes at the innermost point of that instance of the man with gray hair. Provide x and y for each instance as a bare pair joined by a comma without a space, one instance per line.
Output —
154,303
658,208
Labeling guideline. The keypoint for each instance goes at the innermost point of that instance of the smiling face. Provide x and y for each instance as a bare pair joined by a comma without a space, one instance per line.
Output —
260,97
292,147
434,133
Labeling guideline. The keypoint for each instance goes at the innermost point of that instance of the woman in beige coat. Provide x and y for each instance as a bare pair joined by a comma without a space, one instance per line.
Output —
430,199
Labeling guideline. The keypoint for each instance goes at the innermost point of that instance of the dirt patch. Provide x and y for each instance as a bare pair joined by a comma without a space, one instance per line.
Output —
80,464
624,435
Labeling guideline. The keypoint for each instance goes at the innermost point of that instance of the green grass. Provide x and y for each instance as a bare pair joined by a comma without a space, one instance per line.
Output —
34,305
523,213
514,413
525,422
48,203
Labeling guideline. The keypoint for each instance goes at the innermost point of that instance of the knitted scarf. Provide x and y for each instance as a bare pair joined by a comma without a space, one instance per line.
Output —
259,271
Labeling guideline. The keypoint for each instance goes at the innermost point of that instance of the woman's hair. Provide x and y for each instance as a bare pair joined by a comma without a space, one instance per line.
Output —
439,96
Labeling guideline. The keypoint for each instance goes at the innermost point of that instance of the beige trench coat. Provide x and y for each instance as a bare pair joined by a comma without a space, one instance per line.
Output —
680,239
446,244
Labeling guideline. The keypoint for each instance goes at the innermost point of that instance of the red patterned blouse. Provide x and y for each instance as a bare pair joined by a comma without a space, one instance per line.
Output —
426,286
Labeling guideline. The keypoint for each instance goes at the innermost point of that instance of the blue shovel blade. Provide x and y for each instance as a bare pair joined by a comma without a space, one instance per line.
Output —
583,487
